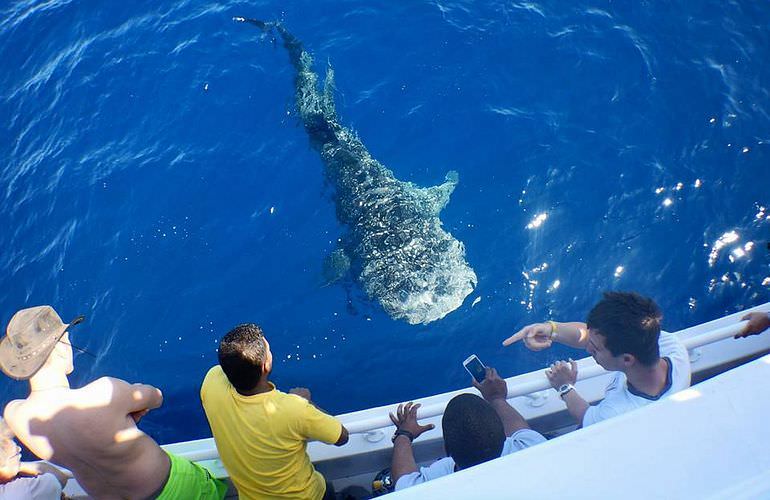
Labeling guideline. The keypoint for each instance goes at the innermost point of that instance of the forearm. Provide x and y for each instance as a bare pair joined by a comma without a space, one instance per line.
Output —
512,419
403,459
576,405
344,437
59,475
571,333
146,397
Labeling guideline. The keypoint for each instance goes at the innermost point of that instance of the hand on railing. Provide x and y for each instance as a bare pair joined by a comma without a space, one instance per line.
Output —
758,323
405,419
536,337
562,372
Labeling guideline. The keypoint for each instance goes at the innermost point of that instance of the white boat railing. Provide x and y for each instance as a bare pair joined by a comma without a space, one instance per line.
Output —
522,388
205,449
531,386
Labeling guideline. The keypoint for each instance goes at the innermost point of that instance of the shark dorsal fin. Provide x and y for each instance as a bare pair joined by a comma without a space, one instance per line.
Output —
328,96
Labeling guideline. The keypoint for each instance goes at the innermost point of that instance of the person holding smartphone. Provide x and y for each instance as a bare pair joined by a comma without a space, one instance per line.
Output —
475,430
623,335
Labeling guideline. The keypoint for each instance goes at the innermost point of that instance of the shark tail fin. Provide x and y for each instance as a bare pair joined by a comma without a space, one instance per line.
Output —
263,25
299,58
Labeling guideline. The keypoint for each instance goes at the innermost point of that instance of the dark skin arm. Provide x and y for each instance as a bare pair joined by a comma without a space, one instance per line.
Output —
403,457
495,391
344,436
304,392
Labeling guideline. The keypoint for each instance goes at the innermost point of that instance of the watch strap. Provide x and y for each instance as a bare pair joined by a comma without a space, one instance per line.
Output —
402,432
564,389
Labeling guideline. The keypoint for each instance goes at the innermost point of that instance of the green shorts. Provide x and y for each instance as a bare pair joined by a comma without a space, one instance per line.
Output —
189,480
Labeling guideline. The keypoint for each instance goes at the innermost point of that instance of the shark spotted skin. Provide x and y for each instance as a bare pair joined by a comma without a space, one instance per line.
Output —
402,256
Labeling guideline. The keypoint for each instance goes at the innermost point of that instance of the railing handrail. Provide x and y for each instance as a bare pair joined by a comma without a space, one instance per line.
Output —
520,389
514,390
541,383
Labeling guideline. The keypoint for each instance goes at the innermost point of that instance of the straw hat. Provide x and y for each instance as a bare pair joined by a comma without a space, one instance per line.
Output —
31,336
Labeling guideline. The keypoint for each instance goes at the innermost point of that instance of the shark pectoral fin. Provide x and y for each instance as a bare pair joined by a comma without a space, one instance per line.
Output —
328,95
452,177
438,196
336,266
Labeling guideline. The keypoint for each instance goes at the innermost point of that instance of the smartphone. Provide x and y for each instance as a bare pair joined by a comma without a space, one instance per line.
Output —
475,367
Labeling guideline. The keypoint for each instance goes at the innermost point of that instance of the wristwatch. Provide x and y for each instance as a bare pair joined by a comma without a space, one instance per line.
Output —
564,389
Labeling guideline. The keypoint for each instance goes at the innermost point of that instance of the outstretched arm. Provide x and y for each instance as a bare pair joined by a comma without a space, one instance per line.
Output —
344,436
539,336
304,393
407,429
145,398
495,391
138,399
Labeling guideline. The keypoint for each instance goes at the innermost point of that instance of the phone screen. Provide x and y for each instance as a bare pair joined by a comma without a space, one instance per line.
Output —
476,368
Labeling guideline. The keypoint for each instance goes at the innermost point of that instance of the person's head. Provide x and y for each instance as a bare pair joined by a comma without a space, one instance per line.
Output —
473,432
623,330
10,454
245,356
37,344
61,358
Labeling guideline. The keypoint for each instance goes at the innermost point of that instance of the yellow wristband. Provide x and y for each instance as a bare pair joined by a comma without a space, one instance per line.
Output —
554,328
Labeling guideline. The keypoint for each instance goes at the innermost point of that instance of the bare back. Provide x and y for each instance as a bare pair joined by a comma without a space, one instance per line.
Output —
92,432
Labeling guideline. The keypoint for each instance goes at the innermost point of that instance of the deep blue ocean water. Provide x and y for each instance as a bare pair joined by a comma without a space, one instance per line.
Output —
155,178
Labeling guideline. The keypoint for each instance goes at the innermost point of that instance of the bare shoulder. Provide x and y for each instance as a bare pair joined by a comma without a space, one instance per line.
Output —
17,415
107,384
105,388
13,410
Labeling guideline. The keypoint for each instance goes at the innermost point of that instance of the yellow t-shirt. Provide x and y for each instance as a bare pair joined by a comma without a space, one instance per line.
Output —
262,439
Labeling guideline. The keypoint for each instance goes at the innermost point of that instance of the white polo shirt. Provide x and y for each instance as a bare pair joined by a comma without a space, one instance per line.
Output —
523,438
42,487
620,398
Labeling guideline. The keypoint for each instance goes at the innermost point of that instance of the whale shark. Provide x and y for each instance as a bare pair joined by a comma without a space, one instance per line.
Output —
395,243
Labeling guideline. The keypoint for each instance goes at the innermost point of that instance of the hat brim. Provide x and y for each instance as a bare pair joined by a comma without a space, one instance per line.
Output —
24,367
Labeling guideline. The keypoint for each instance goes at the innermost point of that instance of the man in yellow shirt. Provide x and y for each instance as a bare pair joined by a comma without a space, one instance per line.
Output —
261,433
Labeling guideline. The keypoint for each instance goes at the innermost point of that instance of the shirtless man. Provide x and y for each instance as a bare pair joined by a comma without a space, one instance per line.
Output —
92,430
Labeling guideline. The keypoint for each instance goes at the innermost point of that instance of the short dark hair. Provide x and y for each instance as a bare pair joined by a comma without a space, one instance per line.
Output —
473,432
241,355
630,324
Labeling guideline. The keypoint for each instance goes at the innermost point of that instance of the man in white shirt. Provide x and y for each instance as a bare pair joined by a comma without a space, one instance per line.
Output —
623,335
475,430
